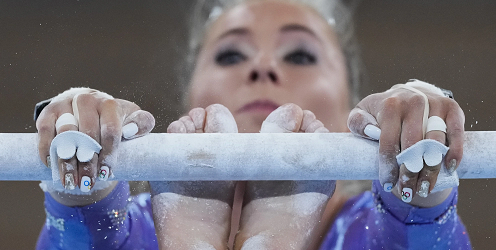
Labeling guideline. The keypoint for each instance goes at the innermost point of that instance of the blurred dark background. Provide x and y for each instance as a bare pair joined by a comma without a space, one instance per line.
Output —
134,50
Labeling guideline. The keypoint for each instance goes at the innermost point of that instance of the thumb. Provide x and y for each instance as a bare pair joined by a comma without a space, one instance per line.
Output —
363,124
285,119
137,124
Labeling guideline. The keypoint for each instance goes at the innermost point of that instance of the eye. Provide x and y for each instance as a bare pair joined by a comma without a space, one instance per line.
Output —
229,57
300,57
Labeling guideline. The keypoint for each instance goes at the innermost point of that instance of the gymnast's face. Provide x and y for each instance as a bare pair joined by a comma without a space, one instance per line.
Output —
262,54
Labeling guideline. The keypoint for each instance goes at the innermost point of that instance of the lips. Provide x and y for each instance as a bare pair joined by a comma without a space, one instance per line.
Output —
259,106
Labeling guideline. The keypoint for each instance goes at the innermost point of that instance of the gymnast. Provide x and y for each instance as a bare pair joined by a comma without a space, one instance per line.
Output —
268,66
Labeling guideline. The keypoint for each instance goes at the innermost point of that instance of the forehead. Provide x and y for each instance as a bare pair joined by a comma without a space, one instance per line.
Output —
270,16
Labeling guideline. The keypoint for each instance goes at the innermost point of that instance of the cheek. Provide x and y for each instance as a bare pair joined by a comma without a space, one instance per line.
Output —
323,93
213,85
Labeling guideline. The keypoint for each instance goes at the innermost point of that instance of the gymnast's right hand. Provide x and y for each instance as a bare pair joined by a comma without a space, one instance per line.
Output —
195,214
101,117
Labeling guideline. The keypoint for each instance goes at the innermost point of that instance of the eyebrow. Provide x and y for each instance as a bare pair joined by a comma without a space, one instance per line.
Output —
298,27
235,31
285,28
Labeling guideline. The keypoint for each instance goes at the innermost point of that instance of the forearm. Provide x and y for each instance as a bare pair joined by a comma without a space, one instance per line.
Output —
282,214
184,222
104,224
287,222
189,215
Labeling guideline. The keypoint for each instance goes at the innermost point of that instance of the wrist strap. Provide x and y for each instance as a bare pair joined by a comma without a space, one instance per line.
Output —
39,107
426,106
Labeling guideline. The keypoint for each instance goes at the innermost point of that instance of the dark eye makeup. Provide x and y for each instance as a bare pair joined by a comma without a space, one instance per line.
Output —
229,57
300,57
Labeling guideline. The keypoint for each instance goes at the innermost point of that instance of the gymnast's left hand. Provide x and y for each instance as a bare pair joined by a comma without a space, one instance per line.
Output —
395,118
101,117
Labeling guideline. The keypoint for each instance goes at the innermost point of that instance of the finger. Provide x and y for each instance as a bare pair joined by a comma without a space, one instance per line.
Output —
46,132
455,121
427,178
176,127
285,119
219,120
322,130
407,183
110,134
198,116
310,124
389,119
412,125
67,167
314,126
87,173
363,124
86,113
137,124
308,117
188,124
428,175
68,173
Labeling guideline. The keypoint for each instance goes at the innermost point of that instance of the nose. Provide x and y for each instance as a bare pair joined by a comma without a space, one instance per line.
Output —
262,76
264,69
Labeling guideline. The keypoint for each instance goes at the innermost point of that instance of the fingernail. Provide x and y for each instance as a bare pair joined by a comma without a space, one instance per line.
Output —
452,166
424,189
129,130
69,181
85,184
388,187
372,132
49,162
406,195
104,173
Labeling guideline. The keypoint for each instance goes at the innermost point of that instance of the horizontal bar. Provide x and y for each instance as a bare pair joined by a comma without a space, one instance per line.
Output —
243,156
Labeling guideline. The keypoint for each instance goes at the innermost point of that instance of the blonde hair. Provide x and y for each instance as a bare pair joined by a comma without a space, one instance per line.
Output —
337,13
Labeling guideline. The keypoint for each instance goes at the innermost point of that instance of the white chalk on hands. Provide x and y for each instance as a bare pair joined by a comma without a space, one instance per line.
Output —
430,151
280,120
372,131
129,130
445,180
272,127
68,144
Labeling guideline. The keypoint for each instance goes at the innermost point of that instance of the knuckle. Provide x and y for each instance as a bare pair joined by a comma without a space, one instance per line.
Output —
185,119
309,114
196,111
416,100
215,106
110,103
174,127
391,104
44,127
85,99
294,108
451,104
355,119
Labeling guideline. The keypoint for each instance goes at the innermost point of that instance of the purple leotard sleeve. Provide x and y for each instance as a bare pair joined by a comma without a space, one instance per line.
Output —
116,222
379,220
